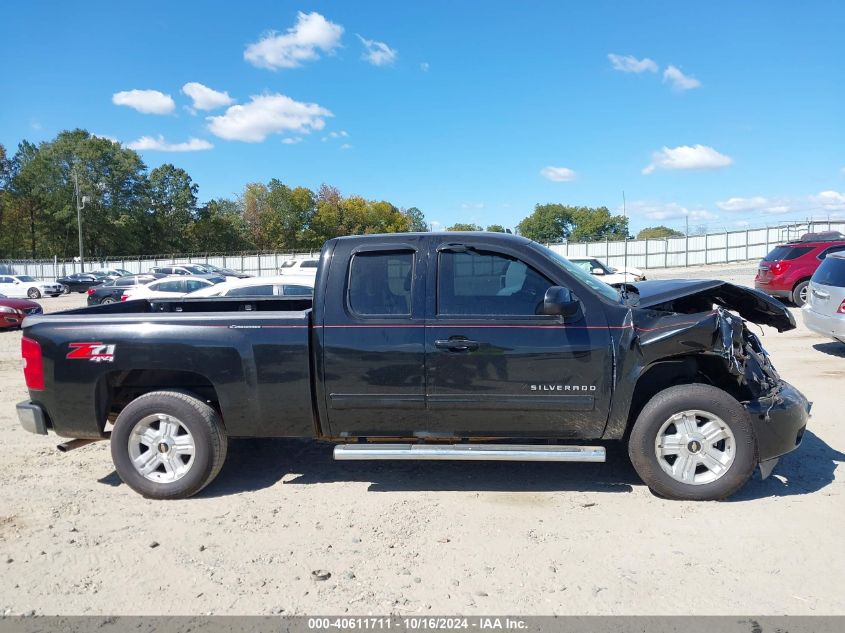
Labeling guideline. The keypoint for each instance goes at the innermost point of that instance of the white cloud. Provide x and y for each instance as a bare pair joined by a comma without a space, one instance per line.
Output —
472,205
346,146
557,174
424,66
667,211
292,140
679,80
303,42
743,204
630,64
146,101
265,115
378,53
158,144
843,171
687,157
831,200
205,98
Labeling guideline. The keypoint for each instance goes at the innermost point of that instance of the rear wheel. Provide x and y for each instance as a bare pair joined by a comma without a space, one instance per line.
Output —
168,445
800,292
33,293
693,442
108,300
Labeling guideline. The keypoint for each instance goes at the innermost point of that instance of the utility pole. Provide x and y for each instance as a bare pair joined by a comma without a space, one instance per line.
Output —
80,204
625,252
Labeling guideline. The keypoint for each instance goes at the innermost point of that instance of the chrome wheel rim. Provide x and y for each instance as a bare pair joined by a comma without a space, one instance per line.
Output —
803,294
695,447
161,448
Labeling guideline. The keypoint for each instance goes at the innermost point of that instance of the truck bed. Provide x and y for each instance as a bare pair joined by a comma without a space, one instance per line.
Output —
258,374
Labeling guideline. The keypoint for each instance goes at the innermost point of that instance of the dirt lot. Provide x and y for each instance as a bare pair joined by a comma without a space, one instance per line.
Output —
424,538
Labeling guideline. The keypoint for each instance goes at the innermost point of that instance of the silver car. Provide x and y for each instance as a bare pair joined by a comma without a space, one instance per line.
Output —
824,311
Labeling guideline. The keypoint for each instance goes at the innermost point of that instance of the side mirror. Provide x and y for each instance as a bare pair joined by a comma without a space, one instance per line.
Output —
597,271
560,301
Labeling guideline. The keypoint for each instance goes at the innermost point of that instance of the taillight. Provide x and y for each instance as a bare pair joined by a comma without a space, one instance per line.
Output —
91,291
124,297
33,364
841,309
778,268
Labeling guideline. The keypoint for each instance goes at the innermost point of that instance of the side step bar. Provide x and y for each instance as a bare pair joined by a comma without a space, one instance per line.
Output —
479,452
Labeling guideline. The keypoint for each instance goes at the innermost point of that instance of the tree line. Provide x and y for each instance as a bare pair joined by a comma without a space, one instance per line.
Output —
130,209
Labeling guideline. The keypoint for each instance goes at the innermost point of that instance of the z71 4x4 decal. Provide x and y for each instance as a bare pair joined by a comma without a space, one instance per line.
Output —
95,352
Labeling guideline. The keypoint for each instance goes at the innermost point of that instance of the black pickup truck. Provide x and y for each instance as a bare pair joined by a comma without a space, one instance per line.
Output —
478,346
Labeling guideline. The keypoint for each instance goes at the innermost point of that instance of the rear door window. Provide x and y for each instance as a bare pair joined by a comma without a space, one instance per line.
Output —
781,253
171,286
831,272
252,291
380,283
832,249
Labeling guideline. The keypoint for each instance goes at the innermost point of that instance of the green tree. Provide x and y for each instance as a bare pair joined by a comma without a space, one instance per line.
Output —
173,207
220,227
464,226
657,233
416,220
547,223
496,228
597,224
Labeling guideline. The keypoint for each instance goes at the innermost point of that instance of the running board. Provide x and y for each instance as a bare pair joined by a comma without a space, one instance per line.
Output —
479,452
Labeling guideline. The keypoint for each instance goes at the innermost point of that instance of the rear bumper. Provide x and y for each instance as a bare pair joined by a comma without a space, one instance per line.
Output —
774,292
825,324
32,418
779,421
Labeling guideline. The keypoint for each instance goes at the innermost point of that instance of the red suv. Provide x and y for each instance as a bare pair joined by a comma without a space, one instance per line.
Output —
785,272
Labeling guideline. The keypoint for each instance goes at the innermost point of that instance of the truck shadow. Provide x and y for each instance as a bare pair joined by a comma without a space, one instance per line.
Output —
808,469
833,349
257,464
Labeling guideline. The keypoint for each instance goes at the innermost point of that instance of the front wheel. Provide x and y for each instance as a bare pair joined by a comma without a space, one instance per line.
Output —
693,442
33,293
168,445
65,290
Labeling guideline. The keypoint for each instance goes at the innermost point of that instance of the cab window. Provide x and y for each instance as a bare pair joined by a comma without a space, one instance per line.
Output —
484,282
380,283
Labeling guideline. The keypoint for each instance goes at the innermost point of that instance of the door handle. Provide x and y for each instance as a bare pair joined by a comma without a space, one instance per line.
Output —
456,345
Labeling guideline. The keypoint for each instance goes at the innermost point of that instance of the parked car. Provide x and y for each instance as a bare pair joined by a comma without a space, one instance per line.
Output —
786,271
280,286
193,270
112,291
824,311
299,267
427,346
226,272
81,282
14,311
171,286
609,275
26,286
113,273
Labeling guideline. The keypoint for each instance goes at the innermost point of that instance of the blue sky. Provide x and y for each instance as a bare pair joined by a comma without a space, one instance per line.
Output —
731,114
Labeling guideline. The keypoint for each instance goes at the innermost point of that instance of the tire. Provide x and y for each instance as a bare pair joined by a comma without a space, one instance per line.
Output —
33,293
174,476
107,300
799,293
65,290
699,482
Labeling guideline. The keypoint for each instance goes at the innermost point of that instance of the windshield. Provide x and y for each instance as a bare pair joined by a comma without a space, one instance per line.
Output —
197,270
580,274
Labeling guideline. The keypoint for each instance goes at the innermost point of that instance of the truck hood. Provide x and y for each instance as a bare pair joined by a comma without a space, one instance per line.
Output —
750,304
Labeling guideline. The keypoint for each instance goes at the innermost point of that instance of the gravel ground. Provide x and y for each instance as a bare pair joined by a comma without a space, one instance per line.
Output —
424,538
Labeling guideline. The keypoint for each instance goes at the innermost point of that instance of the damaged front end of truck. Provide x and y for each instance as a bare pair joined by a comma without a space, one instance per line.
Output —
696,331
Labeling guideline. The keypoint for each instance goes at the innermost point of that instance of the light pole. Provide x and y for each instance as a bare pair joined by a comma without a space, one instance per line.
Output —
80,204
